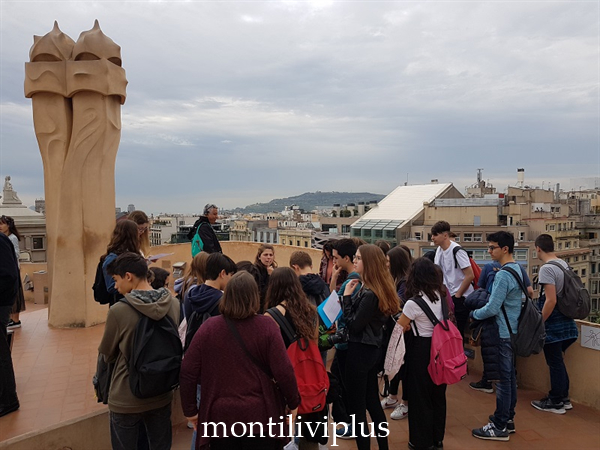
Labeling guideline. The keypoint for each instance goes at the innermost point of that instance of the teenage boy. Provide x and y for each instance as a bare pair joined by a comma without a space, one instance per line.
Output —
486,281
457,277
561,331
312,284
126,411
506,293
344,251
205,297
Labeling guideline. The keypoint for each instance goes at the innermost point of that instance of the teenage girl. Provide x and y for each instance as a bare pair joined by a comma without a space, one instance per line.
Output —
143,226
265,264
427,418
366,313
124,239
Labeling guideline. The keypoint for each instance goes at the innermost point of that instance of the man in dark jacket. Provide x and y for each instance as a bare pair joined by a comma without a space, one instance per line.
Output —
205,230
9,276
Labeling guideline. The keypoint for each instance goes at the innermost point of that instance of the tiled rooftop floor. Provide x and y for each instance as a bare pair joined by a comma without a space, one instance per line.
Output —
54,369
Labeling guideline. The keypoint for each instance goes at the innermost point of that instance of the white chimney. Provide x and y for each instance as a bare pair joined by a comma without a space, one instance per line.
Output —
520,177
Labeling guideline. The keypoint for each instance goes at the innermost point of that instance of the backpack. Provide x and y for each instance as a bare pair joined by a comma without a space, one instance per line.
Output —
531,332
102,379
474,266
447,361
574,301
394,356
311,376
155,357
101,295
196,321
197,244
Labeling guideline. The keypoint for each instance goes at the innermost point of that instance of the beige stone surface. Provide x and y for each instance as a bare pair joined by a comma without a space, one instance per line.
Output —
77,89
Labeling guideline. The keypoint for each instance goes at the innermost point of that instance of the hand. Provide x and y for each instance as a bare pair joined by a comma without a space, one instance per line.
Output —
350,287
335,272
270,270
194,421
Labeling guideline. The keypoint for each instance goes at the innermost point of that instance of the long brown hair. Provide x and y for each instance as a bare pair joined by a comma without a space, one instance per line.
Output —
377,277
124,238
140,218
12,228
240,299
284,285
195,274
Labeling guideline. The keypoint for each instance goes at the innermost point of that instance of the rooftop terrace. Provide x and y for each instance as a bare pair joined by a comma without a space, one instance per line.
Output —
54,368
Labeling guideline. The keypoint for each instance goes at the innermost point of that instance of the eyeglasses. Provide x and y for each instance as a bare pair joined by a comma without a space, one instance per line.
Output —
491,248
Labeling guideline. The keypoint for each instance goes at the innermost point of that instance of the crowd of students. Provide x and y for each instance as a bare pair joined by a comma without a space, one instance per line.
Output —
236,370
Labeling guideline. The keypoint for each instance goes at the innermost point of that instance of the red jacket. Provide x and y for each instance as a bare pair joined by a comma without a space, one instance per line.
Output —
233,389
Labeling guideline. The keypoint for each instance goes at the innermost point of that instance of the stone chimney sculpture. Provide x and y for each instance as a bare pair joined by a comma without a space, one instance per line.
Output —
77,89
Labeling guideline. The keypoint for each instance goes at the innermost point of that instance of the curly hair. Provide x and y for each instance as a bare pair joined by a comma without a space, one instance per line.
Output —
284,285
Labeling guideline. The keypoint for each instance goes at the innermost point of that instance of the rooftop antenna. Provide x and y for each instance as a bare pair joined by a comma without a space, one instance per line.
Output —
479,175
406,182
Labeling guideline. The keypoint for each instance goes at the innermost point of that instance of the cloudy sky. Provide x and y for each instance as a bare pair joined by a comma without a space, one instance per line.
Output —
239,102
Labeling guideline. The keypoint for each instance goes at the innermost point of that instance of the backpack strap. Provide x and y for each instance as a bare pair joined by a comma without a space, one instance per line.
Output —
283,323
523,288
240,341
455,250
430,315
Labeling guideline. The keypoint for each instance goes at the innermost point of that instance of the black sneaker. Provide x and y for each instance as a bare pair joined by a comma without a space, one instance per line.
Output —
12,324
548,405
482,386
510,425
491,433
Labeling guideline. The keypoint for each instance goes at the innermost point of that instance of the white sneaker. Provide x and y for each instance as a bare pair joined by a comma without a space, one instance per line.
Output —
389,402
323,447
399,412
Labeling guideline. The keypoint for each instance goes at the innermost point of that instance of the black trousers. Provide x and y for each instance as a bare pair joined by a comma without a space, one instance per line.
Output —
363,395
461,312
339,407
8,388
427,417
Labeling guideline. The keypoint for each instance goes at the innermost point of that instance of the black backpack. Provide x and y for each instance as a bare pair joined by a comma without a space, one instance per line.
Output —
155,358
574,301
101,295
531,332
196,321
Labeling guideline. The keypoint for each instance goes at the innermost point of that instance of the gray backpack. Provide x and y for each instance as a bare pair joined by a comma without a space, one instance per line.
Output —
531,333
574,301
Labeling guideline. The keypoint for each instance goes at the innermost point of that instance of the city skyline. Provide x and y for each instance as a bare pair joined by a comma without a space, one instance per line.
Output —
237,102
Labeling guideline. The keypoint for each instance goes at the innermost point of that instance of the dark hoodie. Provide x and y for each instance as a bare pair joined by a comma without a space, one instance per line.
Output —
315,288
117,343
201,298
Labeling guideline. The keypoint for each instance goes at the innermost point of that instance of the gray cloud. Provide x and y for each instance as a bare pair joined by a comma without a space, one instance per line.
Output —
241,102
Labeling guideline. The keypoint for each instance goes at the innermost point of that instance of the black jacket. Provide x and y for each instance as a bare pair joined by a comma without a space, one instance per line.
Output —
9,272
207,234
364,320
487,329
315,288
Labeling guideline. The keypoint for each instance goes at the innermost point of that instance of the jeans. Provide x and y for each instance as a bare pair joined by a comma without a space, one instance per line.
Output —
363,394
506,387
559,378
124,429
8,387
339,408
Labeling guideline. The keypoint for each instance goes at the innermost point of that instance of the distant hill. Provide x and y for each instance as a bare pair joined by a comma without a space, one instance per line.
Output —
310,200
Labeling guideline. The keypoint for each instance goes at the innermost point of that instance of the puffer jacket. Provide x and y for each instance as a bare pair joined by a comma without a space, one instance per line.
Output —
364,320
489,335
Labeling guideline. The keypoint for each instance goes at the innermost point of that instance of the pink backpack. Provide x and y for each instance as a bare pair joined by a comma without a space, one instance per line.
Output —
447,362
